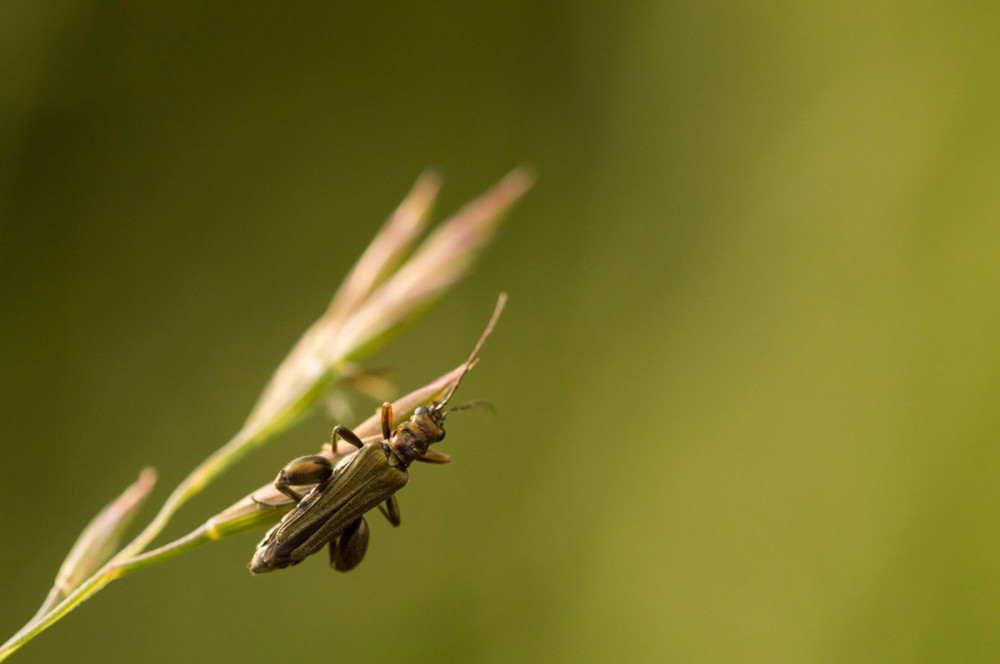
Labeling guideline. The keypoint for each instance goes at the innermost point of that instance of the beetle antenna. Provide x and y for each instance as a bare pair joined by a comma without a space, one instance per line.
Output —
470,404
501,301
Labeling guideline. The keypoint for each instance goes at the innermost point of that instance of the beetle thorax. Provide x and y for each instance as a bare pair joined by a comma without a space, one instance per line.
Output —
412,438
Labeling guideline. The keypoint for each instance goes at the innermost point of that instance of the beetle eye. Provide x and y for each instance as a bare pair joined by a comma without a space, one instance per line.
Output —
421,410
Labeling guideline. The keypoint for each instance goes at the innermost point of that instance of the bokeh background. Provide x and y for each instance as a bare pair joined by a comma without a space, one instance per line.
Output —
746,383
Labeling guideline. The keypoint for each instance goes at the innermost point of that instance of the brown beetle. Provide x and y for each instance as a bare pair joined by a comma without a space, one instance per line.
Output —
332,512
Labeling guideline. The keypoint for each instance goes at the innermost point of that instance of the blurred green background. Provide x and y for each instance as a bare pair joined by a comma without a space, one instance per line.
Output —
746,382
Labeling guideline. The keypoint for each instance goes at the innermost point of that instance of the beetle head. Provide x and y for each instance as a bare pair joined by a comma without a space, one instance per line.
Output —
412,438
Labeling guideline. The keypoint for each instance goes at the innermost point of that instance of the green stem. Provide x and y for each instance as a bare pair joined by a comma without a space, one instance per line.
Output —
190,541
127,560
111,571
32,629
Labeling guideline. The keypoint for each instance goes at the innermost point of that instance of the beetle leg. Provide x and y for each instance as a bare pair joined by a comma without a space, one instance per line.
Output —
302,471
347,550
433,456
386,421
390,510
347,435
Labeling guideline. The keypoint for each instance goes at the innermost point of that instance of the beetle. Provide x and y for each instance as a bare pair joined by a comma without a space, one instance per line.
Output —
332,512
